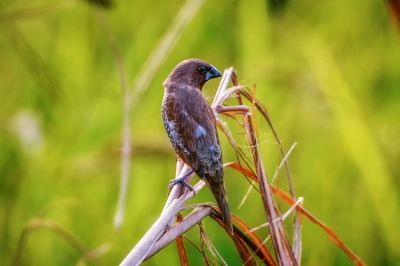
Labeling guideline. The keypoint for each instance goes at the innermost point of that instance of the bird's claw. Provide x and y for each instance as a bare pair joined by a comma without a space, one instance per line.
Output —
183,182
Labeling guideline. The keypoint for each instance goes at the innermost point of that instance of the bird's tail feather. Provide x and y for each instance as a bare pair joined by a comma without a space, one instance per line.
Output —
219,193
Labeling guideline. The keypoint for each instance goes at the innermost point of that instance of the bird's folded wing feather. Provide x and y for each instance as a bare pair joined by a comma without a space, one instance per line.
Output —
192,129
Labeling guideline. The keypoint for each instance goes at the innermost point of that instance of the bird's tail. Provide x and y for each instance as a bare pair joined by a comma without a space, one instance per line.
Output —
218,189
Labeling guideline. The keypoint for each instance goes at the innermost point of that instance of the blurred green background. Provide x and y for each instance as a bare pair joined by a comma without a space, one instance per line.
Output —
328,71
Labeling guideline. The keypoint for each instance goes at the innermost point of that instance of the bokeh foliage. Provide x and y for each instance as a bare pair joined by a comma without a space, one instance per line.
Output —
329,73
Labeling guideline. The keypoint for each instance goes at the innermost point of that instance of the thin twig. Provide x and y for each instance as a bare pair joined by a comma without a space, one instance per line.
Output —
160,52
246,195
126,130
282,217
283,162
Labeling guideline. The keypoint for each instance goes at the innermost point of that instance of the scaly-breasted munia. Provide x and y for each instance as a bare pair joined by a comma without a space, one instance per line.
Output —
191,127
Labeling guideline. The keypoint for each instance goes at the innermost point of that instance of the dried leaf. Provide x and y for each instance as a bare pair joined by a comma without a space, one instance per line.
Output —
242,169
181,247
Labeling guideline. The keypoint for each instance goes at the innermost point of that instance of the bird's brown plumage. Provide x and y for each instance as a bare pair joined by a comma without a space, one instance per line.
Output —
191,126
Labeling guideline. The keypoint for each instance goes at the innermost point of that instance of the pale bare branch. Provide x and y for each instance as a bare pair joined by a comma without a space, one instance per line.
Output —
173,205
179,229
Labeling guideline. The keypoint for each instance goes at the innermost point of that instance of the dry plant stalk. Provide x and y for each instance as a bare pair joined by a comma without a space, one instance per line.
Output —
248,244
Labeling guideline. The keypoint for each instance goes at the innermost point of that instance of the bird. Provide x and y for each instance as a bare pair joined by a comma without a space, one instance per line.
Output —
191,127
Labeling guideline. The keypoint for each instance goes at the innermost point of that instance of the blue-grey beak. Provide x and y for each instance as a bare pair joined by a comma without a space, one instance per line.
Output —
213,73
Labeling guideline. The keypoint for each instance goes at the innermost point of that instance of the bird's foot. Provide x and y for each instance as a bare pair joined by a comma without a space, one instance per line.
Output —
173,182
181,180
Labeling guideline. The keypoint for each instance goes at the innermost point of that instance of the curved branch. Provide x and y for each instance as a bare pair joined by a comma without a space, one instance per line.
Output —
146,244
179,229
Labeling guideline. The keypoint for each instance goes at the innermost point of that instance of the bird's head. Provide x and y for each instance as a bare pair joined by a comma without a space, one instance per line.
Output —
192,72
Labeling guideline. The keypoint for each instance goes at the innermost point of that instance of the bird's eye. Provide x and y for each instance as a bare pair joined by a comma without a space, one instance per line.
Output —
202,69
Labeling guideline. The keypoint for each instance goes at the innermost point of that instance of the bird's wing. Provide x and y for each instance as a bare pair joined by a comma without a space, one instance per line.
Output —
171,121
196,135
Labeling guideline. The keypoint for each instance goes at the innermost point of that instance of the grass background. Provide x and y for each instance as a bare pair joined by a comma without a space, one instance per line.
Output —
329,73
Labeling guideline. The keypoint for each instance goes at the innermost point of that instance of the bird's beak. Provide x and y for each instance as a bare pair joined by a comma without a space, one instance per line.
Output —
213,73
